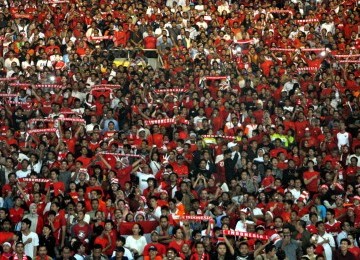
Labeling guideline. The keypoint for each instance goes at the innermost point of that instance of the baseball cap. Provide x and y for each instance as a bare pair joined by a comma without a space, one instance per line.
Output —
231,144
153,248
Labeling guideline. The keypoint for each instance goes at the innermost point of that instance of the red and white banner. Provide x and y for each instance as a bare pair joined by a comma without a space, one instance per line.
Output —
45,120
107,85
26,16
42,180
6,95
281,11
312,49
308,69
346,55
54,2
313,20
101,89
215,77
171,90
120,155
100,38
244,234
244,41
282,49
7,79
68,112
196,218
349,61
18,103
48,86
71,119
165,121
42,131
219,136
26,85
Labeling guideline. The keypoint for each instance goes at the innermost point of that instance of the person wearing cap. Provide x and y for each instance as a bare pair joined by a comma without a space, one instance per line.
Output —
6,251
160,248
180,167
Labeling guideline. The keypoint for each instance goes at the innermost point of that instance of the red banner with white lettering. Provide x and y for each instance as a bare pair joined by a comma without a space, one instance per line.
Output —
33,180
42,131
244,234
165,121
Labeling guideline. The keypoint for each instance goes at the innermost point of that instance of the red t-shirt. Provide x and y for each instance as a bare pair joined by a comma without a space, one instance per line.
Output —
124,175
82,232
16,215
161,249
313,185
333,229
150,42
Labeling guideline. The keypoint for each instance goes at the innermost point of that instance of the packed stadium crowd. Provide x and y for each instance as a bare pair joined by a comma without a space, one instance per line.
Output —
231,129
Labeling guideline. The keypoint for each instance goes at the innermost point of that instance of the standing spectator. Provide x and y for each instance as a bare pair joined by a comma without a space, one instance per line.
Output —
323,241
291,247
311,178
31,239
47,239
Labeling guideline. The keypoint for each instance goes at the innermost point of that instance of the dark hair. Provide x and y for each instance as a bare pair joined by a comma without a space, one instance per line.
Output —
120,249
141,232
318,223
302,223
331,211
178,195
97,246
26,221
122,239
269,247
345,240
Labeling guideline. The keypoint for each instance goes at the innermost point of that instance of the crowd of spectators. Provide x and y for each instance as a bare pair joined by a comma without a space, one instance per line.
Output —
243,144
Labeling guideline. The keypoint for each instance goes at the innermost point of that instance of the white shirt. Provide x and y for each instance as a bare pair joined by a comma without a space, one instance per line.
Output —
296,193
8,61
143,177
137,244
155,167
241,225
353,156
327,246
29,248
343,139
22,174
